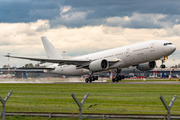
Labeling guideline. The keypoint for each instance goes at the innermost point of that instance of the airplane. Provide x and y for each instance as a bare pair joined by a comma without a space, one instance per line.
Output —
142,55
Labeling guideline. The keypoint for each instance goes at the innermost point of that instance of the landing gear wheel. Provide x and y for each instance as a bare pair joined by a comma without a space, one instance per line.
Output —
113,80
119,77
86,80
122,76
96,77
163,66
90,78
93,78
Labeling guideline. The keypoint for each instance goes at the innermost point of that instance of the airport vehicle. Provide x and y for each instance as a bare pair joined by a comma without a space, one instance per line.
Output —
143,55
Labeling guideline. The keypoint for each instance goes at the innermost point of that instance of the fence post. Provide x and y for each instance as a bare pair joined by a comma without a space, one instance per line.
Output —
4,105
80,104
168,107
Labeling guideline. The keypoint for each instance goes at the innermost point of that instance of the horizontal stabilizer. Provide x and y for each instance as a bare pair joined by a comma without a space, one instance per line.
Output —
39,68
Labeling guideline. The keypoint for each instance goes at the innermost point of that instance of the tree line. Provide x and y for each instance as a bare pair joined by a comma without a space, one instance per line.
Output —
26,65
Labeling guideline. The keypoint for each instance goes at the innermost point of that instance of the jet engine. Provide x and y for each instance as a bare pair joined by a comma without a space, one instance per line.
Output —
99,65
147,66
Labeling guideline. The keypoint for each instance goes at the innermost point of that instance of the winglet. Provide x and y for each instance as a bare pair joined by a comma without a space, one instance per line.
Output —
51,52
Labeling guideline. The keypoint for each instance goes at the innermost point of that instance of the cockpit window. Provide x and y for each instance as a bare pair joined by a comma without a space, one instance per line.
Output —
167,44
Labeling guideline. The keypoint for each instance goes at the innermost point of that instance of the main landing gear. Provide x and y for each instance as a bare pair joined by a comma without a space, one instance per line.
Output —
91,78
118,76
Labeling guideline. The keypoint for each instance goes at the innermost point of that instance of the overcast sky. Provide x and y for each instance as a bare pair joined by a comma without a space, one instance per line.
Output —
85,26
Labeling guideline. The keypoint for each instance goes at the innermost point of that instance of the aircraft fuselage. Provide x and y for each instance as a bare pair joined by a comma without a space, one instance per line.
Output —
126,56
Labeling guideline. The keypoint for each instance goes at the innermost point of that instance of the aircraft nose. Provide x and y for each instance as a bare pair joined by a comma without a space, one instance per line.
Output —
173,48
169,49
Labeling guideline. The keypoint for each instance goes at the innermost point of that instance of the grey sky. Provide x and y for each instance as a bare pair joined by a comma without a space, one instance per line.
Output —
95,12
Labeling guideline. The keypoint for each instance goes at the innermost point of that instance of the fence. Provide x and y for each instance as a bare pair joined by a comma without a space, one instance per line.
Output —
93,108
117,100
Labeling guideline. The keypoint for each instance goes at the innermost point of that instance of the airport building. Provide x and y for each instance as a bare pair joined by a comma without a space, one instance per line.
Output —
26,73
157,72
128,72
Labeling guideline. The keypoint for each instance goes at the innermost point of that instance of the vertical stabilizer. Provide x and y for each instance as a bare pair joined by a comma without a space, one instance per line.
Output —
51,52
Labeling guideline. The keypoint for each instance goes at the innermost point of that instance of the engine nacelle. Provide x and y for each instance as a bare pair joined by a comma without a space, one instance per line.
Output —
147,66
99,65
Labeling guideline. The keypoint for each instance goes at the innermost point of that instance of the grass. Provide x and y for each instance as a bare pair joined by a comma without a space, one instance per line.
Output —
110,98
37,118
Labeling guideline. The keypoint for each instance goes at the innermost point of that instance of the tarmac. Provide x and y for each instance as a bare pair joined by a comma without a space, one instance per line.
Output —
81,81
174,82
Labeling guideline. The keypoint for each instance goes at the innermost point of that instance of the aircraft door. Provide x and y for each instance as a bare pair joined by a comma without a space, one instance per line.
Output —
152,48
61,68
127,53
129,59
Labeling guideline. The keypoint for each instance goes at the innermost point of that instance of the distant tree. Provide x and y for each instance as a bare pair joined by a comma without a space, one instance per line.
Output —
37,65
26,65
30,65
178,65
13,67
5,66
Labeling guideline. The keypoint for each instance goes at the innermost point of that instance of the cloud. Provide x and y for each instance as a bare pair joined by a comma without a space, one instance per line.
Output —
173,31
64,9
13,11
81,26
79,13
176,30
137,21
76,19
23,39
21,33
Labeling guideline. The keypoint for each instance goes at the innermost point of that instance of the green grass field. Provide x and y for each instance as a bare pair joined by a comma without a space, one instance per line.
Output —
37,118
110,98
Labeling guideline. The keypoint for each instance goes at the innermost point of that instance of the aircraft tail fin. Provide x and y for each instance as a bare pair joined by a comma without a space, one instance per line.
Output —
51,52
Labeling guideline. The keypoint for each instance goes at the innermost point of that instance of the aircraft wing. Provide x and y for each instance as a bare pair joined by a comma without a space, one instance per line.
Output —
52,60
78,63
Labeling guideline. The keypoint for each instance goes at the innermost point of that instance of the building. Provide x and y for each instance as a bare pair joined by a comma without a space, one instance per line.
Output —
128,72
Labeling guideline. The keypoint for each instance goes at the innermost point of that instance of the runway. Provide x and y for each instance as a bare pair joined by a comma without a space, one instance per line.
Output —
81,81
174,82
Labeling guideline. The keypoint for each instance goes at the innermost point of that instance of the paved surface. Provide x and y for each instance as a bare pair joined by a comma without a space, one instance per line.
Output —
169,82
81,81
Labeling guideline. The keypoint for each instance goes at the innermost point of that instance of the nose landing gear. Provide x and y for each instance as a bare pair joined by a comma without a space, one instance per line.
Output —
163,66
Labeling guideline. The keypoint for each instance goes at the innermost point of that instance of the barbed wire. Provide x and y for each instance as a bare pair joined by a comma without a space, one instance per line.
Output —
95,109
90,99
49,102
102,94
